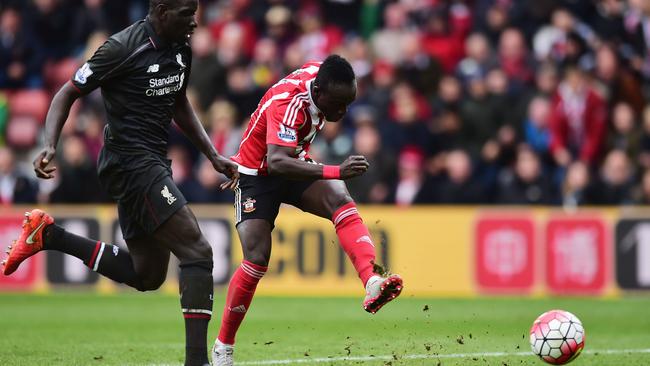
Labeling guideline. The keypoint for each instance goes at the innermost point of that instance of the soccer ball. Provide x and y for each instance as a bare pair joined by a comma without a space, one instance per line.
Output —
557,337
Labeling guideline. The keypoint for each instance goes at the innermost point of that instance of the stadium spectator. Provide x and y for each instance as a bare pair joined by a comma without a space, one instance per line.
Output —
89,18
624,134
575,184
526,184
578,120
478,127
373,186
51,22
408,112
456,185
77,178
317,39
442,39
642,192
383,79
234,27
222,126
417,67
334,145
279,26
264,66
613,186
536,126
384,40
208,78
15,187
618,84
644,154
640,43
514,59
202,186
21,57
479,58
549,43
410,179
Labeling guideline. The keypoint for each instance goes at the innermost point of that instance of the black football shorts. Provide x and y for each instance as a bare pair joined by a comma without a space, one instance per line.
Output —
259,196
144,190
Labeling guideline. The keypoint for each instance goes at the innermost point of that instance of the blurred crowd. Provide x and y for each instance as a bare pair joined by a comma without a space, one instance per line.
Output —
459,101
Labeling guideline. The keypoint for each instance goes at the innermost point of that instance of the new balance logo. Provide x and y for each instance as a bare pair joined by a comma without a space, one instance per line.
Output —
168,195
153,68
365,238
238,309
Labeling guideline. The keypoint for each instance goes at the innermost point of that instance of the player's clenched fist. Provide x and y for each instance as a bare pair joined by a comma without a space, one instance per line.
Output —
354,166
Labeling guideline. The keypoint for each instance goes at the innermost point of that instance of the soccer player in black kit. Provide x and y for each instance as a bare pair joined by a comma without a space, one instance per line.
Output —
142,72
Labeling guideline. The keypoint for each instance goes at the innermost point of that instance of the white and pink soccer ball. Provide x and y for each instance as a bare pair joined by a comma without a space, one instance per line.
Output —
557,337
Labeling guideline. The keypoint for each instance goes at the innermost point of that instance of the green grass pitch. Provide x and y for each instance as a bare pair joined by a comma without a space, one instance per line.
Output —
147,329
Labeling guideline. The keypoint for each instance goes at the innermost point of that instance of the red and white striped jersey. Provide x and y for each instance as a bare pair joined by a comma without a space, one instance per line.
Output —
286,116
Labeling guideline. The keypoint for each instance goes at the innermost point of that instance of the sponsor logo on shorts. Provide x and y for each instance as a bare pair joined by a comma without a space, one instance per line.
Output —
287,134
168,195
83,73
115,250
249,205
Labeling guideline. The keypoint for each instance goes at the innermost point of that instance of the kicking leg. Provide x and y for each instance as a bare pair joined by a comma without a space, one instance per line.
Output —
181,235
330,199
40,233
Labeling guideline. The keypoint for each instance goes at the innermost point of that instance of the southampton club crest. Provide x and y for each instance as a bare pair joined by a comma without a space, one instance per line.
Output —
249,205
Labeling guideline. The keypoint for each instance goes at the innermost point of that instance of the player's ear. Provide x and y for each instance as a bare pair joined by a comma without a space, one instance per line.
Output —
160,10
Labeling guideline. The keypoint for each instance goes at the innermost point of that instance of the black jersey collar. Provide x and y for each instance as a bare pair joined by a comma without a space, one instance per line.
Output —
155,39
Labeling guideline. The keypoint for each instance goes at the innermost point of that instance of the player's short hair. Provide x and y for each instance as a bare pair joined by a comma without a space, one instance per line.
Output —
334,70
154,3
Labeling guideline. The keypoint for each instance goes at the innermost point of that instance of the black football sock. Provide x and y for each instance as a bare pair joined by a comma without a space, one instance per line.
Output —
106,259
196,288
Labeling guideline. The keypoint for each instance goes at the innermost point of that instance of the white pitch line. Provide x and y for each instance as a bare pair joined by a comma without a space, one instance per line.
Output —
417,357
422,356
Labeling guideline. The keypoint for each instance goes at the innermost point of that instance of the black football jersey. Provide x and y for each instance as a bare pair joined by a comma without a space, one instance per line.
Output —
140,77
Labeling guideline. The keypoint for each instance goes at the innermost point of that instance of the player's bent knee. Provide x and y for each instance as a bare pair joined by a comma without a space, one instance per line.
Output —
203,249
151,284
337,201
258,258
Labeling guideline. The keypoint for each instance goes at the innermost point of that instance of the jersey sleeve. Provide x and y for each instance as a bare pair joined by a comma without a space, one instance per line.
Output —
283,120
101,67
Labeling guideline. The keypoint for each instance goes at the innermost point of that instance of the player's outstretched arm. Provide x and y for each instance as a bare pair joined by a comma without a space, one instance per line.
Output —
190,125
56,117
282,163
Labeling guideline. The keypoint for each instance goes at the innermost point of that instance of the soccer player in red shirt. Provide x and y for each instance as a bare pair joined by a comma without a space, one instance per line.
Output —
275,168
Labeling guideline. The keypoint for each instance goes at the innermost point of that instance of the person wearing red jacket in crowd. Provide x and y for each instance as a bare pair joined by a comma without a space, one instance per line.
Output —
578,120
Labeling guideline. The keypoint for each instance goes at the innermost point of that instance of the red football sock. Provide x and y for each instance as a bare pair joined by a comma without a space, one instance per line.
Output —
240,294
355,240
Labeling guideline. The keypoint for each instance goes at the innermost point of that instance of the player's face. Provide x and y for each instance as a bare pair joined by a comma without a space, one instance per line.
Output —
334,101
178,21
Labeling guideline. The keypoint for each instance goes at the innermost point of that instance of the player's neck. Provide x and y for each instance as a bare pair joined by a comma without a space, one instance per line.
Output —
311,93
157,27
